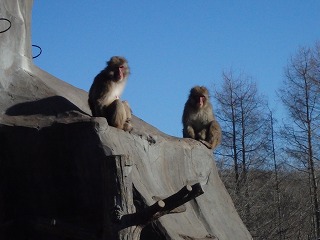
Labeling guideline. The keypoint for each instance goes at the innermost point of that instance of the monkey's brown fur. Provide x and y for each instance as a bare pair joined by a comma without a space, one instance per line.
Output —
106,89
198,119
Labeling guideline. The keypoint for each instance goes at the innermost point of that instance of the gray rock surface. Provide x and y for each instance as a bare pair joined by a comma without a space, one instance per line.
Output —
51,149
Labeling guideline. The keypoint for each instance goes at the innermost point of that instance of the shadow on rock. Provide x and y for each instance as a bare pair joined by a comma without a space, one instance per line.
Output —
51,106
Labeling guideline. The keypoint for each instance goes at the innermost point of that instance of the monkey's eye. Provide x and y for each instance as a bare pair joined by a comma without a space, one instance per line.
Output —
121,66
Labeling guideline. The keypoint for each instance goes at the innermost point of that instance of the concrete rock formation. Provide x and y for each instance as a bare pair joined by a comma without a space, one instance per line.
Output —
51,181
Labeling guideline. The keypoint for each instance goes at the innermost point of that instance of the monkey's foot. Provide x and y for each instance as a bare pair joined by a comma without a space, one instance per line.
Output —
127,126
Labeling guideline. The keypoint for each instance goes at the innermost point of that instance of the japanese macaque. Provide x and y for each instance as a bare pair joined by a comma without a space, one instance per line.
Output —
104,94
198,119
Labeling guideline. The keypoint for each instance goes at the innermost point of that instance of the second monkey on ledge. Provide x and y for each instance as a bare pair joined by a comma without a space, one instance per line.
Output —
198,119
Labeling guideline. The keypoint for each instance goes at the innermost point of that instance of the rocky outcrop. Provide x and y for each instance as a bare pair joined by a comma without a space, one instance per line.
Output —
52,155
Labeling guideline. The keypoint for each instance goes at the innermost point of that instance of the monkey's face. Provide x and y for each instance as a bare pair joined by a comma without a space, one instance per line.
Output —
199,100
118,68
199,97
121,72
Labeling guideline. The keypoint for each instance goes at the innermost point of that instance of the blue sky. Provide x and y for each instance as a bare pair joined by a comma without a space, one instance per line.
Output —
172,46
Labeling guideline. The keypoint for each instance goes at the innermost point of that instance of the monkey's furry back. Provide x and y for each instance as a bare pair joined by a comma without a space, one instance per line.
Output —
99,88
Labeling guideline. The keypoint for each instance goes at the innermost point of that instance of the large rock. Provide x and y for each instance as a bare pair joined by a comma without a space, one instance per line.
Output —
51,182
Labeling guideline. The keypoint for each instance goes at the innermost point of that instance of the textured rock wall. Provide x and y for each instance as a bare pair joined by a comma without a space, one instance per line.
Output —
52,150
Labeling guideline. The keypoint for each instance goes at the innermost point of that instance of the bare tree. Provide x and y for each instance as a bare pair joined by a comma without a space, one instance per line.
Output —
276,180
243,117
300,96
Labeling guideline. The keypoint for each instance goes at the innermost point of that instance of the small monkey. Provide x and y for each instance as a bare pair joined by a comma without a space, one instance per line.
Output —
106,89
198,119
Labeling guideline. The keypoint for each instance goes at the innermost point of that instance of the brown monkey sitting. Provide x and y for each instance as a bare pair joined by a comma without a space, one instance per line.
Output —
198,120
104,94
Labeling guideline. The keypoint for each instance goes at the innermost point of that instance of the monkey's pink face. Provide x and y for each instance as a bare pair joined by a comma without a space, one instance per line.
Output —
120,73
198,97
199,101
122,70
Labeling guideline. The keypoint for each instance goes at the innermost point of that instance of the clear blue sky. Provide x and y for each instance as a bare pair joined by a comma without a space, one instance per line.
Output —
172,45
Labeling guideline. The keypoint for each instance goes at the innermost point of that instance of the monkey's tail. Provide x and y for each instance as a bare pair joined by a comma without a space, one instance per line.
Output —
208,145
